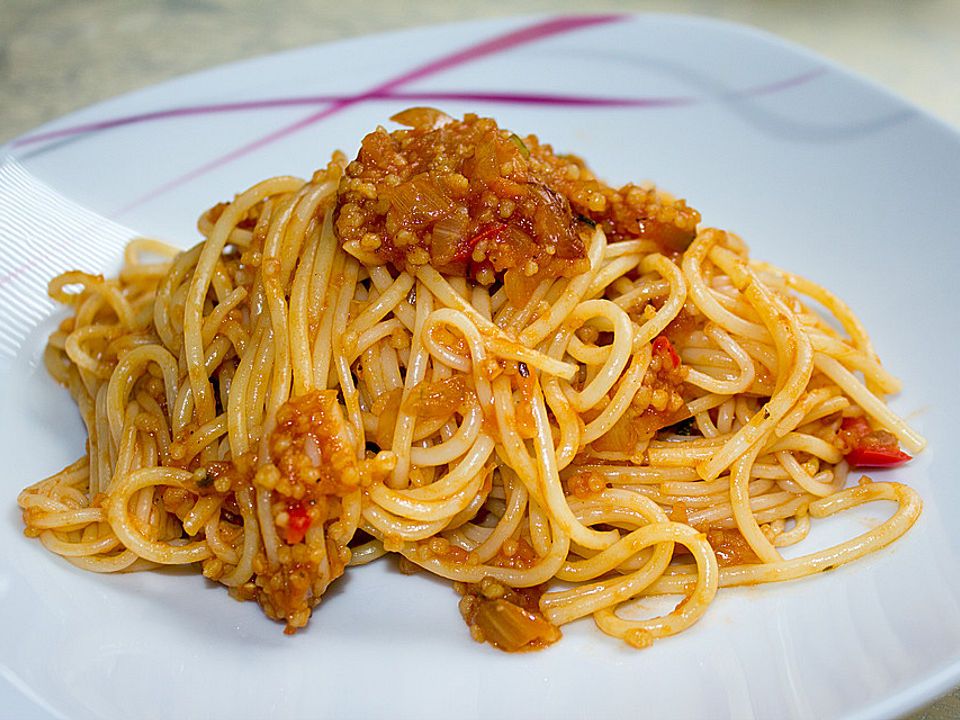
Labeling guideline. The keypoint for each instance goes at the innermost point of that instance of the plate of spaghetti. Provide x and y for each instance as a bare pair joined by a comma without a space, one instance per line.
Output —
583,365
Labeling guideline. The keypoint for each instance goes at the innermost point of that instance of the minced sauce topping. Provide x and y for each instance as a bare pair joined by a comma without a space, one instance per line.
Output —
475,200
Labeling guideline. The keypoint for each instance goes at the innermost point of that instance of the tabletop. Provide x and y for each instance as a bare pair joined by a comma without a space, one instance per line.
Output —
56,57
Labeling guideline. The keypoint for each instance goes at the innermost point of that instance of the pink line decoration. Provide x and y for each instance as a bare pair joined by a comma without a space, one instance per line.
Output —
391,91
311,100
523,36
507,98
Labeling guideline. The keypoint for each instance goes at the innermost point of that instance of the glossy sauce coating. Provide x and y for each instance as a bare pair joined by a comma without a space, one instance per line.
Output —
472,199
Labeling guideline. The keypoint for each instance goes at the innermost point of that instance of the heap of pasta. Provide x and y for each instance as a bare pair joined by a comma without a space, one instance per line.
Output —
466,350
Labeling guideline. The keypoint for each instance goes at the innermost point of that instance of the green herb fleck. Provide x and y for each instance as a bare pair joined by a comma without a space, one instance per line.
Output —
515,139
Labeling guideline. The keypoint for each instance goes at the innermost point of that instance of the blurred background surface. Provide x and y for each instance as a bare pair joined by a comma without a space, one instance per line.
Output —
57,55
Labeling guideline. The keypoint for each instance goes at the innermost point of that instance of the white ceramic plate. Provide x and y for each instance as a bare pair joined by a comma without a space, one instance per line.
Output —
816,169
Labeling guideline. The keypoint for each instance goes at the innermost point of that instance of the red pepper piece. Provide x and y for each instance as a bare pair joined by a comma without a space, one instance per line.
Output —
869,447
856,426
873,457
298,523
465,249
663,346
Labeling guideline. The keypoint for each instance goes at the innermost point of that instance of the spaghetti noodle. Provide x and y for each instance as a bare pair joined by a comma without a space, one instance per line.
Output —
465,349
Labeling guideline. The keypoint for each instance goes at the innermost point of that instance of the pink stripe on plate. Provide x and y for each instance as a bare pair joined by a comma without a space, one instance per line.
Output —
494,46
